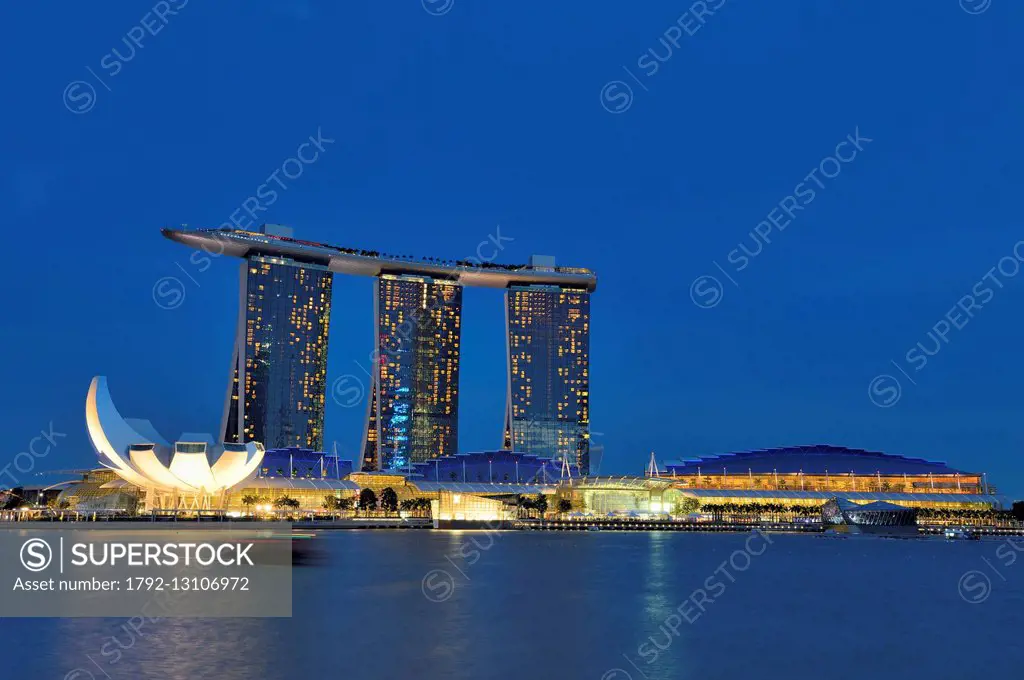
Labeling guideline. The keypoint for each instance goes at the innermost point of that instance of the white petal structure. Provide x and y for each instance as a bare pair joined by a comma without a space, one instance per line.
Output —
137,458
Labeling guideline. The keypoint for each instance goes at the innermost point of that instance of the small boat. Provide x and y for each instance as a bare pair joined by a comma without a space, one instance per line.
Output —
593,527
959,534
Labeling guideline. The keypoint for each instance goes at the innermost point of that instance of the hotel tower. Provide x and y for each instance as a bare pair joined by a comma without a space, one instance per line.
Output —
279,363
414,403
548,400
278,375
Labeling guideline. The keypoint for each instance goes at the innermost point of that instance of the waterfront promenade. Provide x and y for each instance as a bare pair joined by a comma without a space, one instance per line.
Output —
576,524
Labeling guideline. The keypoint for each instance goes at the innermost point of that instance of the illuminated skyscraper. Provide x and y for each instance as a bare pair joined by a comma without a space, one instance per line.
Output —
548,411
279,365
278,373
414,404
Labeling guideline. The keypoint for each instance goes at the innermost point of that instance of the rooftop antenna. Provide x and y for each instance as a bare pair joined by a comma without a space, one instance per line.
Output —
652,467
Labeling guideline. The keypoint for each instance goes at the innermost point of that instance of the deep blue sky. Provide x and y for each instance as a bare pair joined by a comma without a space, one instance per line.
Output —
491,114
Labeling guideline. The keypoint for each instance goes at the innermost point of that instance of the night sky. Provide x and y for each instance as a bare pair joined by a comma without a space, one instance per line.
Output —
452,121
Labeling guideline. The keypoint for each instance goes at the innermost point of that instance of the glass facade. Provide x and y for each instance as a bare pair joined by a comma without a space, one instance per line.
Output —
370,441
279,373
837,483
414,403
826,468
548,337
463,507
839,511
92,494
504,467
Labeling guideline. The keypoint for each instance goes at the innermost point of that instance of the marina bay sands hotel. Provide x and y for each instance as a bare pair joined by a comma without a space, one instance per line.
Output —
278,379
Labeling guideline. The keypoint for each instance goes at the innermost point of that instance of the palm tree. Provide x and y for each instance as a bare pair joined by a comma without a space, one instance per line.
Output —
421,505
334,503
285,502
249,500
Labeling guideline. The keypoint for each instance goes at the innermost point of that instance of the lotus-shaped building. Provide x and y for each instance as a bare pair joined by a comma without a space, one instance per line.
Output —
173,476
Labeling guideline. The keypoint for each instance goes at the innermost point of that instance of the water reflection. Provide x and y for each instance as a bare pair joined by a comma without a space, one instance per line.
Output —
540,605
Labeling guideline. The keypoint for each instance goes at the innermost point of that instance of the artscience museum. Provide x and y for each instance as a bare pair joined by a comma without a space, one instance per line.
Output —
178,476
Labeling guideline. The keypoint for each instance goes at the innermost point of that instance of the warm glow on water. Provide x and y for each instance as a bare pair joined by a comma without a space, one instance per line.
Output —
475,605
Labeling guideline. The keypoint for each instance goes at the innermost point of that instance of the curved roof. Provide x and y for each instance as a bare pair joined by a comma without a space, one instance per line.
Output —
484,488
484,456
995,500
241,243
622,483
811,460
306,484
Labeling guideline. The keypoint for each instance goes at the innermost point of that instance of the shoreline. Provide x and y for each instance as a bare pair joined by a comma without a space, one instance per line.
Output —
396,523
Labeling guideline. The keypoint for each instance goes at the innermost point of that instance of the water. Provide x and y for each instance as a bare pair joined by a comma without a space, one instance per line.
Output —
584,605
